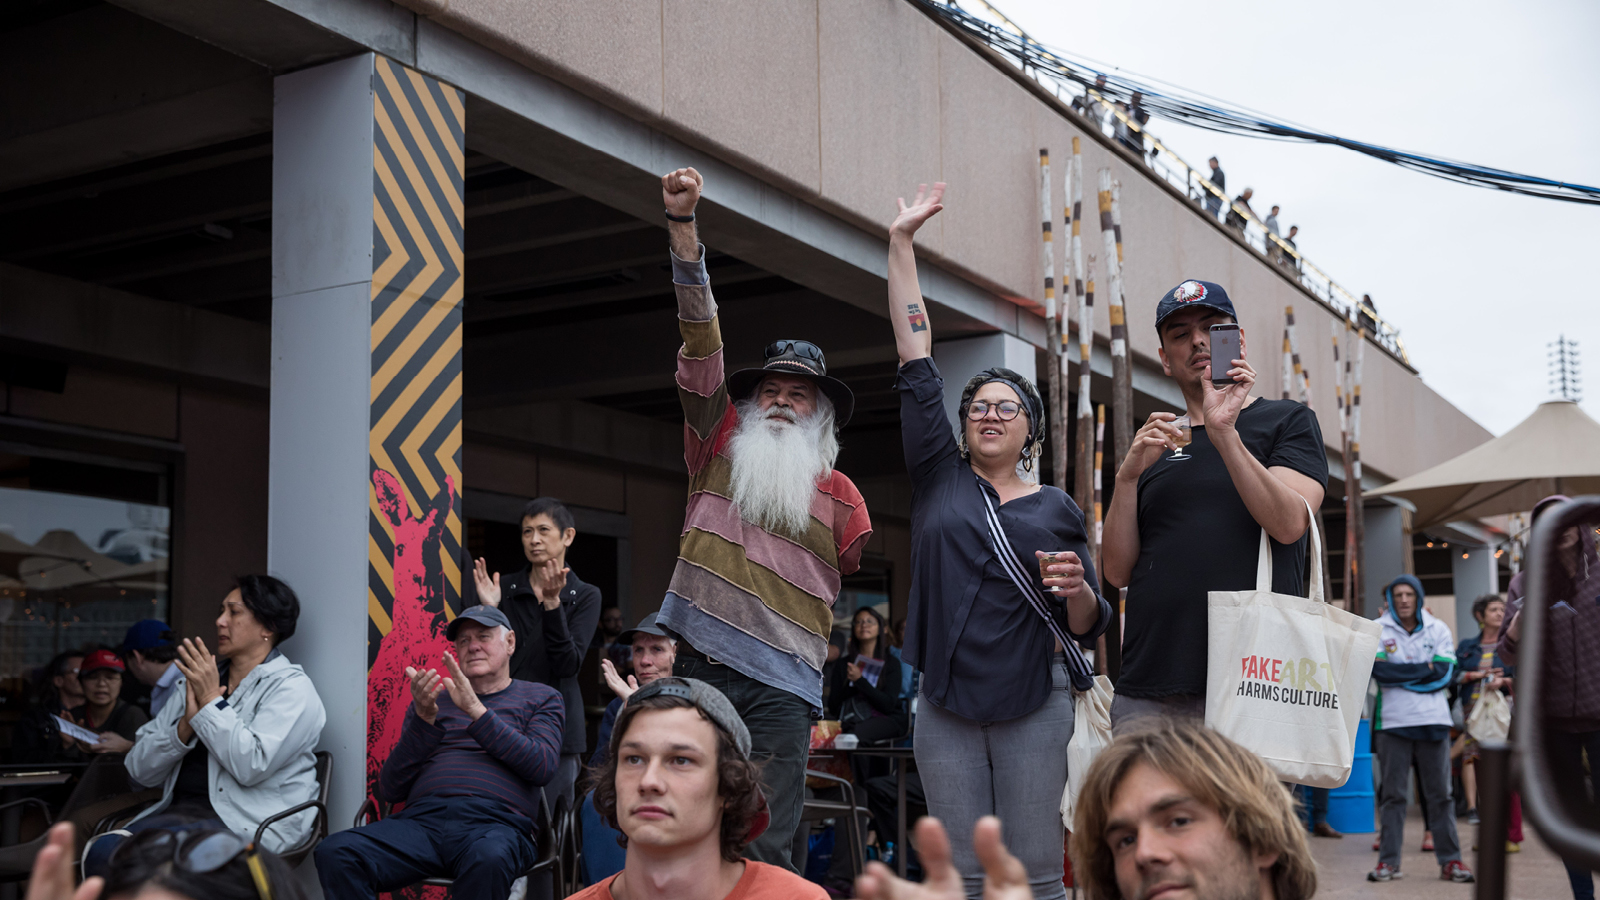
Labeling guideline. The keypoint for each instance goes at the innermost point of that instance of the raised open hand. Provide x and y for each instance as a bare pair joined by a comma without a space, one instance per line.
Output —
53,872
926,205
680,190
425,687
1004,877
488,588
623,689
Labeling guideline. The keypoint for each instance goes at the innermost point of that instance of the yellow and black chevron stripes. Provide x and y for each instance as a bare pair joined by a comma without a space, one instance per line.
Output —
417,224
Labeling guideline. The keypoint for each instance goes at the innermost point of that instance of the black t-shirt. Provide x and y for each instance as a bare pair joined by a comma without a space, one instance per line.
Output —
1196,536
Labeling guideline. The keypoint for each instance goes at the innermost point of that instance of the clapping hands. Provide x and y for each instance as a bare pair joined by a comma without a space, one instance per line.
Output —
427,683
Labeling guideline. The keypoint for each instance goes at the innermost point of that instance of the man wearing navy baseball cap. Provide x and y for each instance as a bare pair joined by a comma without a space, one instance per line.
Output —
1181,526
476,747
151,650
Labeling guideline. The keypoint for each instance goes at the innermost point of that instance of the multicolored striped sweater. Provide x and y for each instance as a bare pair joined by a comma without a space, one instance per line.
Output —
755,600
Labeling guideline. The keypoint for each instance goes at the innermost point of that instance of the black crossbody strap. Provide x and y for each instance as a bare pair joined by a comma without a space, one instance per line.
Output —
1077,666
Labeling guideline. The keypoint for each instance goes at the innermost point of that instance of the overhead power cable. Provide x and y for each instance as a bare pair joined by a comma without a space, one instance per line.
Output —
1172,102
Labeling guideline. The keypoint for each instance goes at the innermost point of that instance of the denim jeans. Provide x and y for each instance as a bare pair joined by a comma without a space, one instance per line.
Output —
1015,769
780,742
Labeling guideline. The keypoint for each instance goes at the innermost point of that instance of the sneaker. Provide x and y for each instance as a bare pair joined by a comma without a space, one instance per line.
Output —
1472,816
1457,871
1513,847
1384,872
1323,829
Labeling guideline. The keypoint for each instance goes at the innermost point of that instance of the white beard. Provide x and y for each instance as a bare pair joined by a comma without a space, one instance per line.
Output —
776,465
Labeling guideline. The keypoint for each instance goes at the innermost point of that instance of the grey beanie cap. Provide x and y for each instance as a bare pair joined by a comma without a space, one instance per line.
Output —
707,699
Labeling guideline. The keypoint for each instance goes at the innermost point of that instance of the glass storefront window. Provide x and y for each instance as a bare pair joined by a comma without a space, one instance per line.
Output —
76,571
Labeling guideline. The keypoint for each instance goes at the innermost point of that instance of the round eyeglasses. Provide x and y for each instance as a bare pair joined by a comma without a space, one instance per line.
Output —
1005,409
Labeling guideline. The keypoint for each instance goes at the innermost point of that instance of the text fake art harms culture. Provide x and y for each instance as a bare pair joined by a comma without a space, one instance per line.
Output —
1299,682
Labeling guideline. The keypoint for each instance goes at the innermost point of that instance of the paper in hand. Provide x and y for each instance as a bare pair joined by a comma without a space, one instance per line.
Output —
77,732
870,668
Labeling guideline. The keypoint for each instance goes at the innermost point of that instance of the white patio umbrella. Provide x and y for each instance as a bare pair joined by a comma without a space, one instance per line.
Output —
1554,451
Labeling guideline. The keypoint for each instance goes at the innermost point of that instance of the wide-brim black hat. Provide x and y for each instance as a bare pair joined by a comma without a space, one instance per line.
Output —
801,358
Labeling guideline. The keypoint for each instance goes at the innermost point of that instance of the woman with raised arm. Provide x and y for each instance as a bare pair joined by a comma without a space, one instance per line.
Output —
993,620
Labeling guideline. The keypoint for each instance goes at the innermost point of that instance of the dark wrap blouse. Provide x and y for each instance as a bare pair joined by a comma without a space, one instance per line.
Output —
983,651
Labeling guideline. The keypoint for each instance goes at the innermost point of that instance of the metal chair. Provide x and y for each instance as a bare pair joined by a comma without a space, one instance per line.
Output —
319,827
571,851
553,827
814,810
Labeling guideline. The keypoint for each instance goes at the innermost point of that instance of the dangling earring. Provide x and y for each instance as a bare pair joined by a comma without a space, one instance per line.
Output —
1027,459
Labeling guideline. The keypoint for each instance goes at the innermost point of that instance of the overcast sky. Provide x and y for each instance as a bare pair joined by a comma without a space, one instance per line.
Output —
1477,281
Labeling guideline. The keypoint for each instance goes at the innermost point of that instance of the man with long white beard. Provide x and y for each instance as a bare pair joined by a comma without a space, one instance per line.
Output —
769,531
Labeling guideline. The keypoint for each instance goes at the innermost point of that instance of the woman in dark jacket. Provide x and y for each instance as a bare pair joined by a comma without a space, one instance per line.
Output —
867,702
1480,669
993,624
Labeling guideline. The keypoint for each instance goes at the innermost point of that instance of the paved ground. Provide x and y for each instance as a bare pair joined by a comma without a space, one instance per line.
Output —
1535,874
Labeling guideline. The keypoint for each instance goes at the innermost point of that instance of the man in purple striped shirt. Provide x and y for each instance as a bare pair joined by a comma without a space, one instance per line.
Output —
475,749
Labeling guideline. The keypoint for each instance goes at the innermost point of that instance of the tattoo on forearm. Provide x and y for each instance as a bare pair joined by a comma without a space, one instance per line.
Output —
919,322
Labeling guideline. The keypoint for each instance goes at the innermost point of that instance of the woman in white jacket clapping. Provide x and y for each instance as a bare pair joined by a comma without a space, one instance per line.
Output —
236,743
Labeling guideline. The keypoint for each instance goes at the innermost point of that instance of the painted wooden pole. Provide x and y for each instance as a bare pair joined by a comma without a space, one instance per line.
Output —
1085,486
1099,467
1357,506
1302,378
1352,488
1121,376
1082,490
1288,361
1052,318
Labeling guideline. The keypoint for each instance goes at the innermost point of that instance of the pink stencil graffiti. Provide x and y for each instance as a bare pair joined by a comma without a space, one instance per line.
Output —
416,637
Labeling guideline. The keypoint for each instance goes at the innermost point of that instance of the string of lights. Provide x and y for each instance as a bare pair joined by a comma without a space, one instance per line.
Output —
1175,103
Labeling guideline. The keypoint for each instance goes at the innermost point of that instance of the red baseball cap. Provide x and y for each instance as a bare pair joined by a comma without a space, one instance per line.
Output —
101,659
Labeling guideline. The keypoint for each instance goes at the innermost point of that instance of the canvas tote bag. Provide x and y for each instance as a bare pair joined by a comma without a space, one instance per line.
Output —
1491,716
1286,676
1091,703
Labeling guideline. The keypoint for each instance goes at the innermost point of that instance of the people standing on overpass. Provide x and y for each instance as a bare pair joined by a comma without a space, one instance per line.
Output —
1270,223
771,527
993,624
1236,219
1219,179
1179,527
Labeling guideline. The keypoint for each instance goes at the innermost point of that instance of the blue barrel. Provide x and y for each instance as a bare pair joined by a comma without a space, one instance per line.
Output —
1352,808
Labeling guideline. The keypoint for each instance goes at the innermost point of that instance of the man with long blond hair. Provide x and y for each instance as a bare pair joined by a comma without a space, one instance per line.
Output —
1178,810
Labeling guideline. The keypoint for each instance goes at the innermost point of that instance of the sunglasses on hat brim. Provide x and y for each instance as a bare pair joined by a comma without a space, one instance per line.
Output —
802,349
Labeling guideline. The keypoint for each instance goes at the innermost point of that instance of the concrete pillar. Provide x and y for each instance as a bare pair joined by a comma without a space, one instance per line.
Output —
1472,567
961,359
365,472
1386,539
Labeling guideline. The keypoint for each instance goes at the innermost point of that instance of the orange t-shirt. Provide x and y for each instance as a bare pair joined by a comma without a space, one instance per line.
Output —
759,882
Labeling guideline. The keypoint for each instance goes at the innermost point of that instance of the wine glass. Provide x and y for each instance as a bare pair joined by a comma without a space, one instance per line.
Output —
1184,438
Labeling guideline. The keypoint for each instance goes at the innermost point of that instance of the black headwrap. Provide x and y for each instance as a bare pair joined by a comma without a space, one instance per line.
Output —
1030,399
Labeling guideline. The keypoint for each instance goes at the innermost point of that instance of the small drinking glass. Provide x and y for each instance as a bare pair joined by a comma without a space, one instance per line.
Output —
1184,438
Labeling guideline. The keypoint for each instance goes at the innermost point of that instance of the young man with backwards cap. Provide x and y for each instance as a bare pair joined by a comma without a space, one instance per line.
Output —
150,649
1179,528
474,751
680,786
769,531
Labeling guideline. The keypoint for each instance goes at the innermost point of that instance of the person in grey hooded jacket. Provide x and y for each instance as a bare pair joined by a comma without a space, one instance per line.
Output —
235,742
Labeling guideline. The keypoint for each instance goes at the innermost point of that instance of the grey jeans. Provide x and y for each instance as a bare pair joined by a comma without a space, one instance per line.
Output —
1016,769
1433,768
